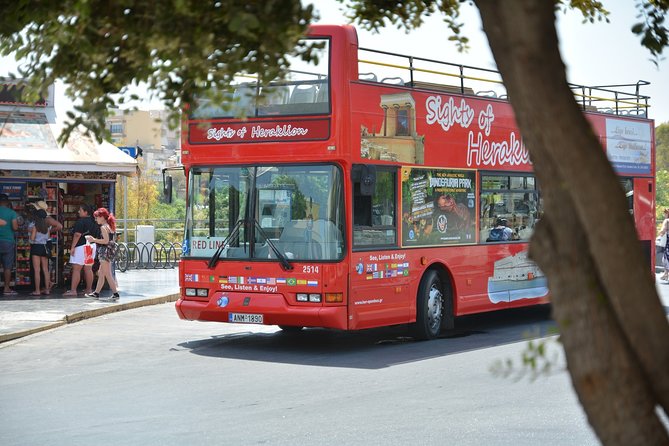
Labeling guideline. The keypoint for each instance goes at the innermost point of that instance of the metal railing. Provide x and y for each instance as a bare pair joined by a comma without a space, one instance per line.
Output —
416,72
126,229
158,255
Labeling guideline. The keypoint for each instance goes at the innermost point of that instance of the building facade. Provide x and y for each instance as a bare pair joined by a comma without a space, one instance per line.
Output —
149,130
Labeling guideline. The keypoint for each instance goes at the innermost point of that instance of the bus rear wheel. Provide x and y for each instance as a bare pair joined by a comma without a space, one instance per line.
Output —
429,307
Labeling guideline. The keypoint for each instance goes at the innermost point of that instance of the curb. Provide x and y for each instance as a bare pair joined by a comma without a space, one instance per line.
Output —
88,314
23,333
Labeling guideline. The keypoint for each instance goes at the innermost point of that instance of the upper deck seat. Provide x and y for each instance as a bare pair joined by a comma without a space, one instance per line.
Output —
487,93
243,99
367,77
206,109
277,94
303,94
392,80
322,95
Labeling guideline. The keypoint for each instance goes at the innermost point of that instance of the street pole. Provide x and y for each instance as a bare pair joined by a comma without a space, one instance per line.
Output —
125,209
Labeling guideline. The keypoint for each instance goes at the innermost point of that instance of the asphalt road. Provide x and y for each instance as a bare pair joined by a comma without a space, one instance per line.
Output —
144,377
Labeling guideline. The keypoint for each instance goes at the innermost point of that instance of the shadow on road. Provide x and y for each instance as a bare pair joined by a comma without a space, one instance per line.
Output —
376,348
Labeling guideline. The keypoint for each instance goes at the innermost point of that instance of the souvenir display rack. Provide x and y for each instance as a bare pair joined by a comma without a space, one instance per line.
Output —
96,195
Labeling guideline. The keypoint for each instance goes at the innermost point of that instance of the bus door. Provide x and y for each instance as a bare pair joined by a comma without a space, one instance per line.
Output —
379,293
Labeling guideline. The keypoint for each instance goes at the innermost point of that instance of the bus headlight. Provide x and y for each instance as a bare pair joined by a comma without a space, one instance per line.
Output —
311,297
199,292
302,297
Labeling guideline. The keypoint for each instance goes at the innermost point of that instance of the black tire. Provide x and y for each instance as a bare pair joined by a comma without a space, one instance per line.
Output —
430,305
290,328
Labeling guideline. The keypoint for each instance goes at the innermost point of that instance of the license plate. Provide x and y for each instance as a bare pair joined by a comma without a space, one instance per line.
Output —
245,318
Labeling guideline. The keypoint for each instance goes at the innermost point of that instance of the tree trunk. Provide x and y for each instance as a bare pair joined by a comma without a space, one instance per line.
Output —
612,325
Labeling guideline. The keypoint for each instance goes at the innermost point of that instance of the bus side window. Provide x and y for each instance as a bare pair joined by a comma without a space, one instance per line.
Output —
513,198
362,207
374,205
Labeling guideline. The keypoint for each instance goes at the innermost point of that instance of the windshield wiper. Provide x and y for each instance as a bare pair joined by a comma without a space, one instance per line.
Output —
217,254
285,264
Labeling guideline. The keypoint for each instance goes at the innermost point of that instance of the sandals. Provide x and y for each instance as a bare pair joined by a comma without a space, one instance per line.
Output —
70,293
35,293
10,293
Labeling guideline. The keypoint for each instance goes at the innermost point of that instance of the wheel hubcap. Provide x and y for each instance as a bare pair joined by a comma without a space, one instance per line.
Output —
434,306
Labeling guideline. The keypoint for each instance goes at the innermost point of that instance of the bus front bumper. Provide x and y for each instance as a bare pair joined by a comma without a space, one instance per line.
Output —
274,308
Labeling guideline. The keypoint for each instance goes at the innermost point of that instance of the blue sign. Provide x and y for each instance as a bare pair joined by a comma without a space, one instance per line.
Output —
132,151
14,191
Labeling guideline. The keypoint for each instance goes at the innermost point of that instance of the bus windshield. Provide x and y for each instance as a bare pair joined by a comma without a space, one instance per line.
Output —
284,212
304,91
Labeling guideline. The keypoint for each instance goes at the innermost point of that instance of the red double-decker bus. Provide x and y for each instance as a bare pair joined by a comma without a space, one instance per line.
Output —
369,189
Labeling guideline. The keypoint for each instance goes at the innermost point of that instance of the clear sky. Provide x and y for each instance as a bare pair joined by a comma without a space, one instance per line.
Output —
595,54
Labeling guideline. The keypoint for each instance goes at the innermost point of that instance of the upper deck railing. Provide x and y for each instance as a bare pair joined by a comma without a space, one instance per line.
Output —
417,72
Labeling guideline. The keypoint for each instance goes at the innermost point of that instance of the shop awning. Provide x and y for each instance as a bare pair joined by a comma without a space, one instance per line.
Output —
28,141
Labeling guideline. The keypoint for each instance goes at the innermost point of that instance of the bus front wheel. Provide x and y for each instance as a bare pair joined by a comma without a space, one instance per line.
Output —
429,306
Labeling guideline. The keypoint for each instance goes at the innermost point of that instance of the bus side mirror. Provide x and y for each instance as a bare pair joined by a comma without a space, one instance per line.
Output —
167,188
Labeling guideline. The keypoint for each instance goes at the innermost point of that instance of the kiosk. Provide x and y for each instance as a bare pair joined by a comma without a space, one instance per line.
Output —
34,166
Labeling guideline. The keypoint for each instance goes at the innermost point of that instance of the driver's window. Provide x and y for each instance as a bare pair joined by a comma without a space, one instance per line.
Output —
200,207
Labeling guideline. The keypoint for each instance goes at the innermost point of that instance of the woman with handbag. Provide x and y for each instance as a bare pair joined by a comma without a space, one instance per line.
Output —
40,230
82,254
664,244
106,252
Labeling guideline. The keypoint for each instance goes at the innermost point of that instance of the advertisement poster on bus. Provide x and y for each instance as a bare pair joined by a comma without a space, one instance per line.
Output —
628,145
438,206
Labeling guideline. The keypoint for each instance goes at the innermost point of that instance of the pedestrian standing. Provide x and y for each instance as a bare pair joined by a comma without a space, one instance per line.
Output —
106,252
86,225
9,224
40,234
665,254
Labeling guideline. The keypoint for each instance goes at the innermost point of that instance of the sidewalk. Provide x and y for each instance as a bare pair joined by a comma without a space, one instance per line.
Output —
22,314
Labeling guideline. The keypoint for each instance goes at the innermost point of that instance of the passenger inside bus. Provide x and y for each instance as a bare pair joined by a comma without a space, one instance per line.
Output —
501,232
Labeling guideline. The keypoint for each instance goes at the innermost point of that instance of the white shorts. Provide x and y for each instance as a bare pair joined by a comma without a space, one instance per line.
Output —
77,257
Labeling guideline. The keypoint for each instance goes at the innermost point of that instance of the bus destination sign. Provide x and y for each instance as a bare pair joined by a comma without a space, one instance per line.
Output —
259,131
